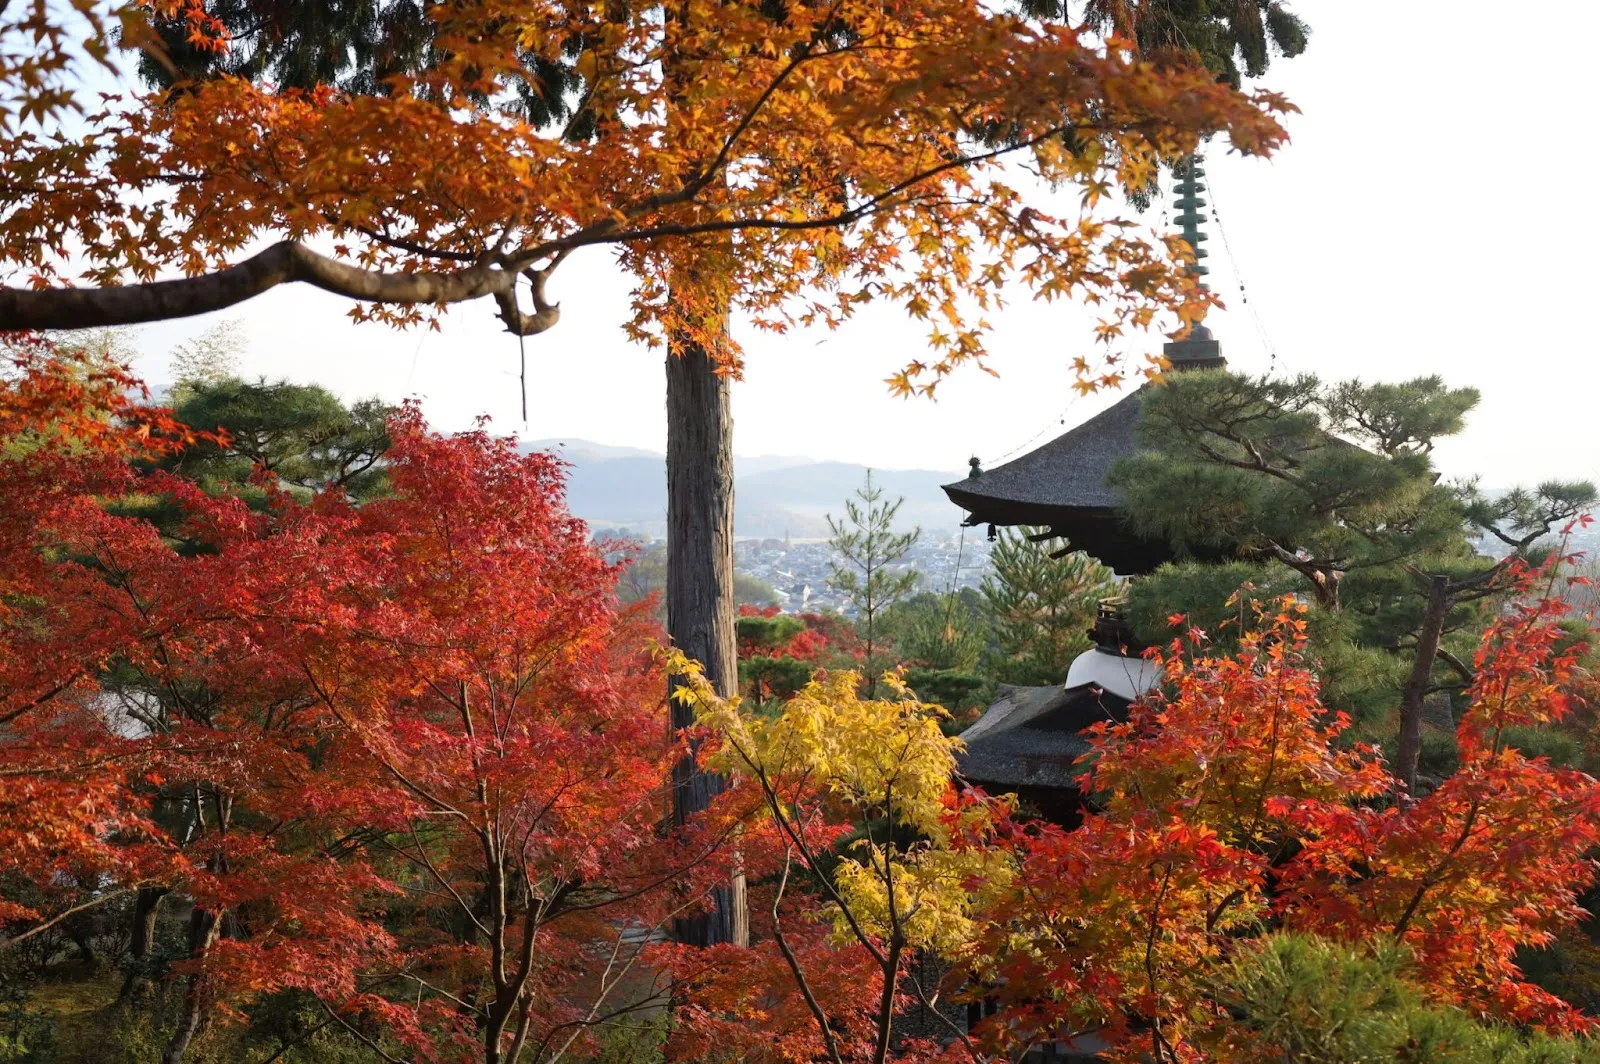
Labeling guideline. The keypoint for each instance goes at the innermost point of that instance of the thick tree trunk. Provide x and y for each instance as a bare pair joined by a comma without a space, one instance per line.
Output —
700,600
141,941
1416,689
145,909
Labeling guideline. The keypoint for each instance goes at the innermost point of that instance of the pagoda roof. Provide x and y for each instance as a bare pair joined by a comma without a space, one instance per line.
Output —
1064,486
1069,471
1031,737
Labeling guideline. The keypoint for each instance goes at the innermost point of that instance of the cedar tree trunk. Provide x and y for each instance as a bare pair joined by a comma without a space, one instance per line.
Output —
700,600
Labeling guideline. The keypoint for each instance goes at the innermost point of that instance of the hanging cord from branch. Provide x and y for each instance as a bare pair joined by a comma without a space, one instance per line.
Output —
522,374
412,373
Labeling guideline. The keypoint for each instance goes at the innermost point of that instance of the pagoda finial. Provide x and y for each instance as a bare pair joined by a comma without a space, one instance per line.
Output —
1199,349
1191,183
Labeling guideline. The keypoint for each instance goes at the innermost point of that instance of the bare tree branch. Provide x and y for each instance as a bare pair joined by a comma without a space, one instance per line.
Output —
282,263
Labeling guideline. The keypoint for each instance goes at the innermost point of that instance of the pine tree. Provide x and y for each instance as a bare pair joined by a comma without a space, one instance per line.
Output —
865,566
301,434
1041,605
1328,492
1235,39
939,631
1264,468
1300,998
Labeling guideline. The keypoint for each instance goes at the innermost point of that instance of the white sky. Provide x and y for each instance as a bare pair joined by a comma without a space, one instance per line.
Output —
1435,213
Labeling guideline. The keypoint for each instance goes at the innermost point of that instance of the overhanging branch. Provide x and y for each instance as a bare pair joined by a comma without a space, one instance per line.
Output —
282,263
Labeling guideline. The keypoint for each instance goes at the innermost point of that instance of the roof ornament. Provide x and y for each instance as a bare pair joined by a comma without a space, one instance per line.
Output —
1198,350
1191,213
975,466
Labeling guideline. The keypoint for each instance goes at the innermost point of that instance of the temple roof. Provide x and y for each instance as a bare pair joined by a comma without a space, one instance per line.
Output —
1069,471
1063,486
1030,737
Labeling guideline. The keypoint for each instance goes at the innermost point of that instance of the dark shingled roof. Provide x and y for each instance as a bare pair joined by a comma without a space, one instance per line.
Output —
1030,737
1062,486
1070,470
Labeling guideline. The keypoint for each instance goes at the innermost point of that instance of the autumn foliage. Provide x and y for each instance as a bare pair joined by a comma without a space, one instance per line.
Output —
429,704
805,158
408,762
1225,805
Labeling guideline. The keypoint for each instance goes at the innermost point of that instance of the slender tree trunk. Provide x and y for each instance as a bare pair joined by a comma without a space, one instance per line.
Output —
1416,689
700,600
205,925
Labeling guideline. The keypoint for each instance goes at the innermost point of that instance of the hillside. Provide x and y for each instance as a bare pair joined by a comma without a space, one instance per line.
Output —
776,496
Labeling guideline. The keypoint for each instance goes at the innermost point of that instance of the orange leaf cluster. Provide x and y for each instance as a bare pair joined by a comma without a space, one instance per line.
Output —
794,166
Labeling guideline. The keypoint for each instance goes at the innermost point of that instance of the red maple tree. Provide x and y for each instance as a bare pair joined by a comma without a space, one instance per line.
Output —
1225,805
408,751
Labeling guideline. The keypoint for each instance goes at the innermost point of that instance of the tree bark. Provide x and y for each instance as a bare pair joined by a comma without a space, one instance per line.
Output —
1416,689
145,909
205,925
700,600
142,940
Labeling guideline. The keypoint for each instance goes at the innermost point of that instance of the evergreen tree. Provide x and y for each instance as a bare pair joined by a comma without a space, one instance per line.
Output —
1236,38
284,437
866,566
301,434
942,639
1329,492
939,631
1296,998
1041,604
1264,468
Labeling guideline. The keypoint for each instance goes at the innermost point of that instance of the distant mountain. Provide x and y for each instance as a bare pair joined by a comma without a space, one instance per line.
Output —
820,488
586,450
775,496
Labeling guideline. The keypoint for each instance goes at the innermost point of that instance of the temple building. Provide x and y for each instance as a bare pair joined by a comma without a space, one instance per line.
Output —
1029,740
1062,485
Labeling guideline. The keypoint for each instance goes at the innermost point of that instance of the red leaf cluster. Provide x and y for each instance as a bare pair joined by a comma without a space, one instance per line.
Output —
327,715
1224,805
